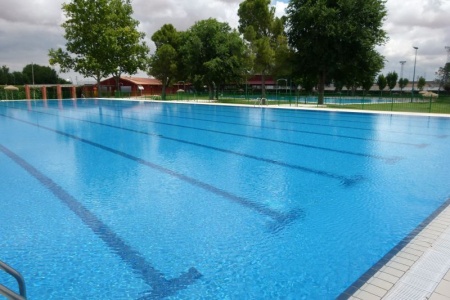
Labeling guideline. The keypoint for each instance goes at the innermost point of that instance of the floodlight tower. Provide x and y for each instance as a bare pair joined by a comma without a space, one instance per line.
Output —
401,69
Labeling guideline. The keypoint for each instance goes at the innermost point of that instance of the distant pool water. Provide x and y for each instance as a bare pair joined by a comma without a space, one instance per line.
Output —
133,200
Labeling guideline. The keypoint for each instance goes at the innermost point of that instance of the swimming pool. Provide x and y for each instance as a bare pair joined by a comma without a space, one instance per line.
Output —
131,200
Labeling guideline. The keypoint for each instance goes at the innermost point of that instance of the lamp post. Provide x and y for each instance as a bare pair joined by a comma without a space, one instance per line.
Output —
401,68
401,80
414,73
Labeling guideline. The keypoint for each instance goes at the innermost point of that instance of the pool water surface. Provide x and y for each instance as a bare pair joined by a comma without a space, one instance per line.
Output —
105,199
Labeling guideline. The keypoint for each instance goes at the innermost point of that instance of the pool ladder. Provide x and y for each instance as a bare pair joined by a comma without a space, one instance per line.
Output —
7,292
260,101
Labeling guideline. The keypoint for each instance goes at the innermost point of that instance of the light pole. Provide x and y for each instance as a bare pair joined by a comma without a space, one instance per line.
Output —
401,75
414,73
401,68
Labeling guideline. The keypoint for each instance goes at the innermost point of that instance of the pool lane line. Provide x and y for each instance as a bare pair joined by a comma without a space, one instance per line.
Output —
161,287
388,160
358,283
281,218
423,145
344,180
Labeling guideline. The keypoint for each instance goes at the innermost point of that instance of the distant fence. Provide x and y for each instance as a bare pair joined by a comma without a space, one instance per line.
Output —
374,101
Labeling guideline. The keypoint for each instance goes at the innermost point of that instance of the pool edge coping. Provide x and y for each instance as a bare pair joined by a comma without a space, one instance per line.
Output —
356,286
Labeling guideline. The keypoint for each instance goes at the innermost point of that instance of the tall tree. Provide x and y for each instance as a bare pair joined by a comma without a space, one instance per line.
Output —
213,53
4,73
41,74
98,35
421,83
129,49
381,82
391,79
402,82
165,63
261,29
333,37
443,77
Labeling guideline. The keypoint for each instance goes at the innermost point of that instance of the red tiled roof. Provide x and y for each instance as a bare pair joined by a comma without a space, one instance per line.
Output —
141,80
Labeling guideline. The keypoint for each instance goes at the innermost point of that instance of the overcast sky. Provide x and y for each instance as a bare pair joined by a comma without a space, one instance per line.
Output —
28,28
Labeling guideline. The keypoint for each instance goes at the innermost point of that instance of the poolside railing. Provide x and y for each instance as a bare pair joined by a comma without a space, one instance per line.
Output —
385,101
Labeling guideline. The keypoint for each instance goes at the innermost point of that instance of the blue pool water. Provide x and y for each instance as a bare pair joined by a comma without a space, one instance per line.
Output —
130,200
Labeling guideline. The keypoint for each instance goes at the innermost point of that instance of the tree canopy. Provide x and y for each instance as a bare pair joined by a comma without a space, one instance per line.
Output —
102,39
41,74
213,54
264,33
335,39
391,79
165,63
443,77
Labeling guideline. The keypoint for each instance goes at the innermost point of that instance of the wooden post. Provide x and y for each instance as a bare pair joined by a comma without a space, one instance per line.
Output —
27,92
74,92
44,92
59,91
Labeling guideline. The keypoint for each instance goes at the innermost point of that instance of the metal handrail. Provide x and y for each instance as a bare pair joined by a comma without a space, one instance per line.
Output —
19,279
10,294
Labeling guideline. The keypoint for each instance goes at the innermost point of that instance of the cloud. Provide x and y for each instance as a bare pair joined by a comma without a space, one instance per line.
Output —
423,24
29,28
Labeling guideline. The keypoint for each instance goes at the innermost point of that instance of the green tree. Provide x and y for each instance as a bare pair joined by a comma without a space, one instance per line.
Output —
261,29
391,79
333,39
129,50
101,39
421,83
381,82
164,64
367,84
42,74
213,54
4,72
402,82
443,77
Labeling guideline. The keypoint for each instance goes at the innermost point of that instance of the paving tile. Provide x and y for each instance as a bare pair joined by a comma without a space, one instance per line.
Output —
375,290
403,261
366,296
428,233
426,238
389,277
436,296
393,272
443,288
397,266
417,247
408,256
378,282
413,251
421,242
447,276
